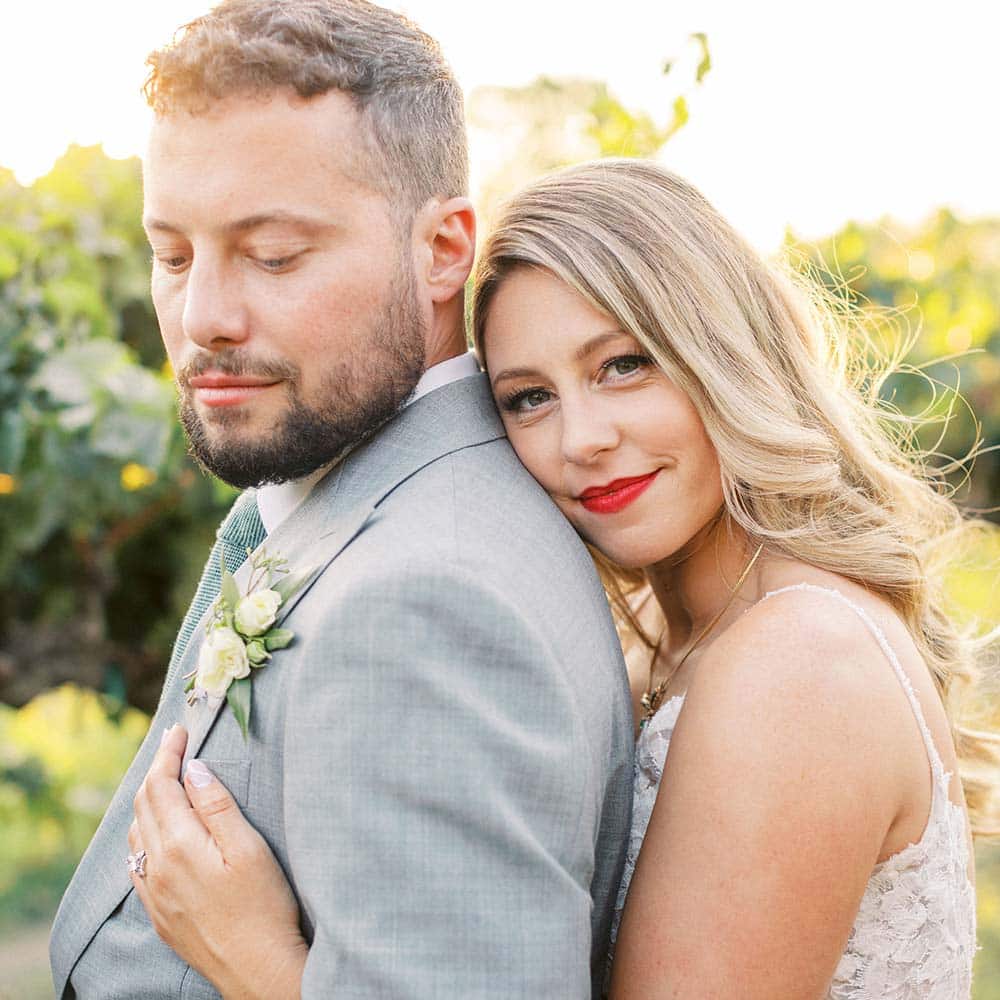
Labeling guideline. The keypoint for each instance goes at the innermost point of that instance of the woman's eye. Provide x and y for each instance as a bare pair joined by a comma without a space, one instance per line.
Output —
526,400
626,364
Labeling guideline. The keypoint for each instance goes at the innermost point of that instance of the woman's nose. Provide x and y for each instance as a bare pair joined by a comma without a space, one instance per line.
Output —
588,430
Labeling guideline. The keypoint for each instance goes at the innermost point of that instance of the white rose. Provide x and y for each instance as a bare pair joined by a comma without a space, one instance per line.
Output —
222,659
255,612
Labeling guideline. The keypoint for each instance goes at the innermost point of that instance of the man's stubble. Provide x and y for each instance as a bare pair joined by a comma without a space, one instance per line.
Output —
359,394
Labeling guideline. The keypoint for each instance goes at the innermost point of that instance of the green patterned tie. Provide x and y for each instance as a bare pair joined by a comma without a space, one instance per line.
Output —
242,529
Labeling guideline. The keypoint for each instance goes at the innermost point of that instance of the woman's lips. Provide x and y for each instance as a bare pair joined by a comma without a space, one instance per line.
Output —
616,496
228,390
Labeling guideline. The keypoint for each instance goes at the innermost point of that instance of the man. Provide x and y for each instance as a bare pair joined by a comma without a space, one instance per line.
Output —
440,761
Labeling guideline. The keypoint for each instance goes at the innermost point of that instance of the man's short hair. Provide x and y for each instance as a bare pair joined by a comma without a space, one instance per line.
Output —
410,104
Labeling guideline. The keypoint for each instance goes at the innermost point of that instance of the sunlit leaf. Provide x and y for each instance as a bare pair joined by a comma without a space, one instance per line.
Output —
705,63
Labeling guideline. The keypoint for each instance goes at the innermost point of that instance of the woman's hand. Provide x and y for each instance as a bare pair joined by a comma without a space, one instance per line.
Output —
212,888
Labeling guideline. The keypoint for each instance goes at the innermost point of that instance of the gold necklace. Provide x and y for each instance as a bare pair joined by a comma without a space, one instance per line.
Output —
653,697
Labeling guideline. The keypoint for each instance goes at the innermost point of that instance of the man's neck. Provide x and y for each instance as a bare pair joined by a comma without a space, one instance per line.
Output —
446,339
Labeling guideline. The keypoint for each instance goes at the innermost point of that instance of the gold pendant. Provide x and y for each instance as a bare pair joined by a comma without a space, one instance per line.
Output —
650,702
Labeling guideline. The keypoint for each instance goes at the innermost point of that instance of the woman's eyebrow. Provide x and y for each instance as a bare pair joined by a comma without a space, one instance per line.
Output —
580,354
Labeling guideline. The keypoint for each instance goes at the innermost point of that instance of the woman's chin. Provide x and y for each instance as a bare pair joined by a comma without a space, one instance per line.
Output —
626,554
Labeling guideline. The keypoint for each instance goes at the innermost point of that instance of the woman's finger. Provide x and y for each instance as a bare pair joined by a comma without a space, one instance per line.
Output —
178,844
147,828
138,880
161,786
217,809
142,890
164,815
134,849
167,760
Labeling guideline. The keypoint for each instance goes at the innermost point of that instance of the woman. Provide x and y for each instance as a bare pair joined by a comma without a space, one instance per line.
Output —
695,422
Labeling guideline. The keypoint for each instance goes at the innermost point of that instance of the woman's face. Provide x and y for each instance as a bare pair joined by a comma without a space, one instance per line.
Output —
616,445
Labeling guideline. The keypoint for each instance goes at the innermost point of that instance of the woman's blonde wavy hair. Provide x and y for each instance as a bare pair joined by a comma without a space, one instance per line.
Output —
813,464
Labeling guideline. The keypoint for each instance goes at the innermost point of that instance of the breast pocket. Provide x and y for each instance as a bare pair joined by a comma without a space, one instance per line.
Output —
234,774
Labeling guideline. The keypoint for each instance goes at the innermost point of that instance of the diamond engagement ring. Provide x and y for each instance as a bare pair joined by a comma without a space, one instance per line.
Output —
137,864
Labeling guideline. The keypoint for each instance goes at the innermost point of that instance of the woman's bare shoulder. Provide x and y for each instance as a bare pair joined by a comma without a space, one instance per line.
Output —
801,679
806,641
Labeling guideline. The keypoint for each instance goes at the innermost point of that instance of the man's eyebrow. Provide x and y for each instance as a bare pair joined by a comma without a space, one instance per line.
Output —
276,218
248,223
160,226
580,354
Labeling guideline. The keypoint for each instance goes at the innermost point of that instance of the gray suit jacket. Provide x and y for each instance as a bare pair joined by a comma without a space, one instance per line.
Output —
441,761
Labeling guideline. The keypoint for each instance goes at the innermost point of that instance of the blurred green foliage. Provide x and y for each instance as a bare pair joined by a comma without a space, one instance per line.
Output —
61,758
937,287
103,519
552,123
986,983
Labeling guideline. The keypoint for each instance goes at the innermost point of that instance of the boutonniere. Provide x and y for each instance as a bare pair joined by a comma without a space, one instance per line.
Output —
242,632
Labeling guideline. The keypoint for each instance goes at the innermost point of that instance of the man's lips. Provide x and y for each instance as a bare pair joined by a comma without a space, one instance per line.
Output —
617,495
216,389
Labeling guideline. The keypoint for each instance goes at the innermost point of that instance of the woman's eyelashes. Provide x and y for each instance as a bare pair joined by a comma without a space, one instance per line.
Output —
625,366
525,400
621,368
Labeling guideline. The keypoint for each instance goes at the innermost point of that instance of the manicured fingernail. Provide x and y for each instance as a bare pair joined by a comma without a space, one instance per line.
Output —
199,775
166,734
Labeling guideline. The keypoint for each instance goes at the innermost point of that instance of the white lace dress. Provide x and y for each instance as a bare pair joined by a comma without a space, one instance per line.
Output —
915,933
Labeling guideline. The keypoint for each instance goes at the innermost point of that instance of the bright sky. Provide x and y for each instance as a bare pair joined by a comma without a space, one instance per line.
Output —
812,114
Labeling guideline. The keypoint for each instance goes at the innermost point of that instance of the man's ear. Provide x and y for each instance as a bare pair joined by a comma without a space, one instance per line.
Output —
449,236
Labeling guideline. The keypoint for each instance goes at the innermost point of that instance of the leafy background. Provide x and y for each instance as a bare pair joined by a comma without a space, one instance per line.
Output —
105,521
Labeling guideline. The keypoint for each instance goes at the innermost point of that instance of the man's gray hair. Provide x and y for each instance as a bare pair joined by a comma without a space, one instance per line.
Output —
410,104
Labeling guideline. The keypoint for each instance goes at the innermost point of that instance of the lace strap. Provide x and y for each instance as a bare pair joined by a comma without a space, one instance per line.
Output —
890,654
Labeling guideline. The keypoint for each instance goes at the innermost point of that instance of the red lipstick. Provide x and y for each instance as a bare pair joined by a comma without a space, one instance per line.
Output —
616,496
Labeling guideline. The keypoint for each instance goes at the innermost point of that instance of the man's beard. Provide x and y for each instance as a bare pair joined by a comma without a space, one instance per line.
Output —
357,396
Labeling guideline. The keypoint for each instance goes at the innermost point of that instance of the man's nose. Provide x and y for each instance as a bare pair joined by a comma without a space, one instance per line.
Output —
588,430
215,312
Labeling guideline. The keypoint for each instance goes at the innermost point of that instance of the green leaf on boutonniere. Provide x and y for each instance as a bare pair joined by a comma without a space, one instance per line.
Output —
190,683
238,697
228,589
288,586
278,638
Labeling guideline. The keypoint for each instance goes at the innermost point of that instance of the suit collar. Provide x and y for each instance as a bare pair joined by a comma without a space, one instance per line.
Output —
455,416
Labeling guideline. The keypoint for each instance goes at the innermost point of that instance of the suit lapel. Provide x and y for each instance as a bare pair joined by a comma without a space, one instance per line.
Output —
456,416
101,880
305,553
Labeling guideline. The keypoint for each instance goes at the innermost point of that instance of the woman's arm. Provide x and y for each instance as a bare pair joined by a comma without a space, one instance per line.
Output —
213,890
781,783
